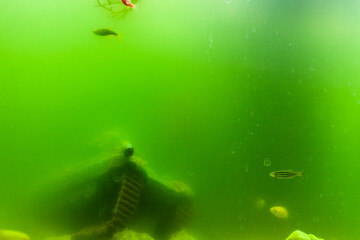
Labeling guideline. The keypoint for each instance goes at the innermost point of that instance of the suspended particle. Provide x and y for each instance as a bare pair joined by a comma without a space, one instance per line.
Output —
246,166
315,219
211,41
267,162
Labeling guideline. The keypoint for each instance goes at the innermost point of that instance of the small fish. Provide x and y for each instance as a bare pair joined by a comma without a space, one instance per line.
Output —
12,235
128,3
285,174
104,32
279,212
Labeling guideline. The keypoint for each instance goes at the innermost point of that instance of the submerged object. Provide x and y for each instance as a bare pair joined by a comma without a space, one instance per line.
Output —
12,235
285,174
97,200
104,32
299,235
279,212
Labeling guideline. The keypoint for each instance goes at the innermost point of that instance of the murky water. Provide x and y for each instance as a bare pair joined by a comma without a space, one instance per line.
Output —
215,94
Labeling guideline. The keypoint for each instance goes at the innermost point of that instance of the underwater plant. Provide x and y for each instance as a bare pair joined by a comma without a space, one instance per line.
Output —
116,8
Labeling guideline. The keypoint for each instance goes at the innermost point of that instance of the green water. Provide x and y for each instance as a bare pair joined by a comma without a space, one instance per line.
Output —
205,91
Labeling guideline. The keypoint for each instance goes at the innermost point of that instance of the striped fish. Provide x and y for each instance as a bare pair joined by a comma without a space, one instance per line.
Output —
285,174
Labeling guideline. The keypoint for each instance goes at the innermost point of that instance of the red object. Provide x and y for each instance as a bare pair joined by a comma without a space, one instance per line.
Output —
128,3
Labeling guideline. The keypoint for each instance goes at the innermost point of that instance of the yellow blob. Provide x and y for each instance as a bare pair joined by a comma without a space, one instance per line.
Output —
13,235
279,212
